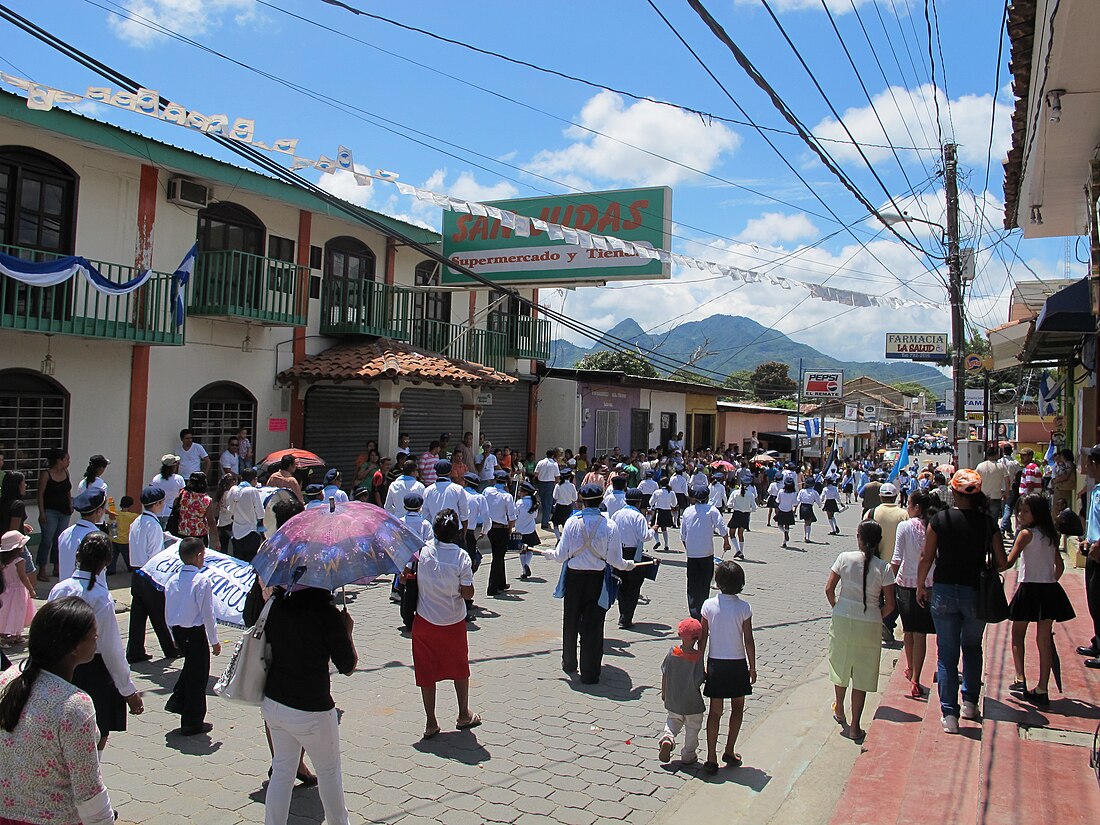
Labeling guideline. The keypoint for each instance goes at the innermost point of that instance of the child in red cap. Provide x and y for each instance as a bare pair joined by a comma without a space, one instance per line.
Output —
682,674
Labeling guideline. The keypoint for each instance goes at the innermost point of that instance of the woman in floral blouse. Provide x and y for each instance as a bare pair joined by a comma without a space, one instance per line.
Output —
195,510
49,765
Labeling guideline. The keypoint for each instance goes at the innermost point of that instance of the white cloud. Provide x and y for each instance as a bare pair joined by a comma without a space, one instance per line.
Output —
189,17
466,187
909,119
776,227
681,137
343,185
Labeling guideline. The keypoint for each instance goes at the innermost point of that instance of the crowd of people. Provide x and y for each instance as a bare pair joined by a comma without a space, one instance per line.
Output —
924,539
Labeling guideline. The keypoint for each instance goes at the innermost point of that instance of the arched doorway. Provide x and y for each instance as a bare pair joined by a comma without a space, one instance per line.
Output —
34,418
218,411
350,301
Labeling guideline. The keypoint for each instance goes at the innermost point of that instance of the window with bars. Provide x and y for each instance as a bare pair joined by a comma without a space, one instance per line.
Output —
436,304
218,411
34,418
607,431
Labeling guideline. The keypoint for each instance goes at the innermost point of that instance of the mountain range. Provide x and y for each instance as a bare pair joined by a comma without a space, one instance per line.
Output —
725,338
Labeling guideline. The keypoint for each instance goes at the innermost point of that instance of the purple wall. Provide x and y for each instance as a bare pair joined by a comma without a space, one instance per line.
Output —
607,397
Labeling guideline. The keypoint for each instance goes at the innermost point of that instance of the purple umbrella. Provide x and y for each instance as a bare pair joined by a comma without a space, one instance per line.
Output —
329,547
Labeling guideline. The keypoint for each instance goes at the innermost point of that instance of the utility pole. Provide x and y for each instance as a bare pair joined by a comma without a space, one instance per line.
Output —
954,273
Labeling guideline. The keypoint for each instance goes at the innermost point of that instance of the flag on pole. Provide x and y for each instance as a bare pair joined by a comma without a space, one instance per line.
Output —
1048,395
180,279
812,427
1051,452
903,461
831,464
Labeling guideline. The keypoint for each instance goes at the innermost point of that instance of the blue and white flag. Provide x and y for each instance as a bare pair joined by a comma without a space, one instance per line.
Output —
52,273
901,463
1051,452
180,279
812,427
1048,395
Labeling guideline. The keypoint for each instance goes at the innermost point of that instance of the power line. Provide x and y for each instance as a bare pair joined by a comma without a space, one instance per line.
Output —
932,62
1001,32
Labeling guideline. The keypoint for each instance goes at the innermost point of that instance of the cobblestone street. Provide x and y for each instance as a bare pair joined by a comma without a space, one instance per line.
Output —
550,749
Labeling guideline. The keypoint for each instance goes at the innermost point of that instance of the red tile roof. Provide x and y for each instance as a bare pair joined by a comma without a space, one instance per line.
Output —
386,359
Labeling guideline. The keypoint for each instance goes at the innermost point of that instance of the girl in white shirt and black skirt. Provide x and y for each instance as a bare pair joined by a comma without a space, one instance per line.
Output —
741,505
807,497
785,501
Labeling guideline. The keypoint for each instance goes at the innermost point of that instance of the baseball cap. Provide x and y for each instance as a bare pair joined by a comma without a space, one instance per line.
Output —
689,629
700,493
527,486
89,501
98,460
472,478
169,458
314,489
500,475
151,495
888,490
967,482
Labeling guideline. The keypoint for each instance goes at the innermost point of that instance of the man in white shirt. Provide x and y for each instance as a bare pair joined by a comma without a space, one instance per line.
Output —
403,450
676,443
92,506
403,485
487,464
547,474
146,600
230,460
500,508
444,494
993,481
678,484
193,456
634,532
248,512
698,524
615,498
589,542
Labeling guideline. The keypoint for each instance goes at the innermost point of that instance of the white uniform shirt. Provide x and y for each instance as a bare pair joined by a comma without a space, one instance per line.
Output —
663,499
697,528
500,506
189,601
717,494
109,644
401,487
247,508
419,526
525,519
67,545
479,513
146,539
786,501
446,494
191,460
565,492
547,470
699,479
634,530
172,486
589,541
678,484
97,484
808,495
742,503
648,486
614,501
334,492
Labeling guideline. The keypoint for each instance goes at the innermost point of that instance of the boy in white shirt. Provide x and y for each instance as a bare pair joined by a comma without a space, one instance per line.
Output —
189,611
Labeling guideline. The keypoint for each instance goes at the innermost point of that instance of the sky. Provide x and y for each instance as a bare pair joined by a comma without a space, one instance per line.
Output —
480,128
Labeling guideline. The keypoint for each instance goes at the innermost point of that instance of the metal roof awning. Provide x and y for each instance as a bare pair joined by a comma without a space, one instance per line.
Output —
1066,318
1007,342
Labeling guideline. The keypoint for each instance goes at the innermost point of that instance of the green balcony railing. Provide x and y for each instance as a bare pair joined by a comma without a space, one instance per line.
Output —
526,337
362,307
232,284
77,308
481,346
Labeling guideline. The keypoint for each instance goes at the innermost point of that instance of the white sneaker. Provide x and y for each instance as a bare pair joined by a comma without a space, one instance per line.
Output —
950,724
969,710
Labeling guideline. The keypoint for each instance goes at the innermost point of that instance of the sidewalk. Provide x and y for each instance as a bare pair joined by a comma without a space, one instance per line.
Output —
1016,765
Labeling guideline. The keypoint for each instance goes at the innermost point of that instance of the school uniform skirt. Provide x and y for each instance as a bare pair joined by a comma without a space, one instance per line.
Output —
915,617
440,652
727,679
739,519
784,518
531,539
560,513
831,507
1039,602
110,708
664,519
855,647
806,513
771,503
682,501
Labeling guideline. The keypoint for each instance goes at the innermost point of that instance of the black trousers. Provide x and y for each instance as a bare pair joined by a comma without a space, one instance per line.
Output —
147,604
700,572
630,589
583,617
245,548
498,579
188,697
1092,595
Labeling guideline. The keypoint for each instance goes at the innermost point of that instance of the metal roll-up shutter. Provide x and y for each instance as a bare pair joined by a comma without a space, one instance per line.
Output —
504,420
339,423
425,414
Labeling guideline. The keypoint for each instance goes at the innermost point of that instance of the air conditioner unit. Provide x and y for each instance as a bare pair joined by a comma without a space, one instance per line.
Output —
183,192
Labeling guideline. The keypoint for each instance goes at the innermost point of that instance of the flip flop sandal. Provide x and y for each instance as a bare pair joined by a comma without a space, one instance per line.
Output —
473,723
840,720
732,759
428,734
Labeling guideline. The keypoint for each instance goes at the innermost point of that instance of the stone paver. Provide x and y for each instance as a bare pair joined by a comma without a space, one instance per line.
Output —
550,749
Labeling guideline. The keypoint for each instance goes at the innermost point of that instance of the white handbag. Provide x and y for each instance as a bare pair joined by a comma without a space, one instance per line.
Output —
246,674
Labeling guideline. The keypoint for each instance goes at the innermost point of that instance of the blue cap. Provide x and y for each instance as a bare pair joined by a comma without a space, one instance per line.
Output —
331,476
473,478
700,493
649,474
89,501
443,467
500,475
634,494
719,476
314,489
590,491
151,495
566,473
527,486
413,501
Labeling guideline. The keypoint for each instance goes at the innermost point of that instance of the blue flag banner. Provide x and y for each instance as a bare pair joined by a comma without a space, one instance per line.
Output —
180,278
52,273
812,427
903,461
1051,452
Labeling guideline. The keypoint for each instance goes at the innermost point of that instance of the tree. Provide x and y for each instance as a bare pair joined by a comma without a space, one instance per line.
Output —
628,362
684,374
771,380
914,388
739,381
782,404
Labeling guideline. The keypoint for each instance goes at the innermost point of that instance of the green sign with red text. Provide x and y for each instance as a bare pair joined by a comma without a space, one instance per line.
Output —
485,245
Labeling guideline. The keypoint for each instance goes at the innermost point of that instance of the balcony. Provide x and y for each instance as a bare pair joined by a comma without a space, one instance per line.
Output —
526,337
480,346
360,307
144,316
240,285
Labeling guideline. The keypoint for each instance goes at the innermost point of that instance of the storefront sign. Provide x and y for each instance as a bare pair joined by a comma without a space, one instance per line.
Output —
823,384
277,425
917,346
490,247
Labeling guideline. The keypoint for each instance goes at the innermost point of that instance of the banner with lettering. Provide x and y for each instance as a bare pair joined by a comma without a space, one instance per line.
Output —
231,578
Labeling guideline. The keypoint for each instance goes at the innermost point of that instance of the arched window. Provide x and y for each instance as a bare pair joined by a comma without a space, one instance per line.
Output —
217,411
226,225
37,222
430,305
34,417
350,299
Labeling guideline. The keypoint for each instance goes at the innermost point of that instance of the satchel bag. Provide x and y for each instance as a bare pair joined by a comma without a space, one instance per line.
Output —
992,607
246,674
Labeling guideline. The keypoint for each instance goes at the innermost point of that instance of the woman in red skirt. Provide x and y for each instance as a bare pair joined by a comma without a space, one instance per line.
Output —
445,579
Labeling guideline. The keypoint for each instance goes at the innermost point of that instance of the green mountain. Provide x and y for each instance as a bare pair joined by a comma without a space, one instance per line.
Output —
733,342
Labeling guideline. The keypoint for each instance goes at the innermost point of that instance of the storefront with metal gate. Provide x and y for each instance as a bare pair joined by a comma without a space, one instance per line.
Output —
339,421
504,412
427,413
